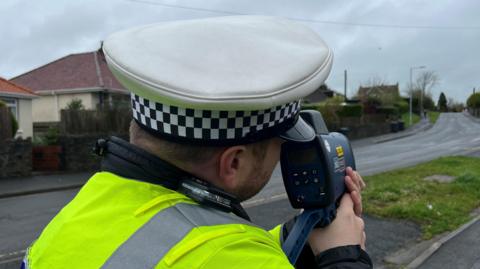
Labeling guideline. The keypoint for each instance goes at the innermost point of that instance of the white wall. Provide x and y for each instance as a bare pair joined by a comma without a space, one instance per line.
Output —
86,98
44,109
47,107
25,122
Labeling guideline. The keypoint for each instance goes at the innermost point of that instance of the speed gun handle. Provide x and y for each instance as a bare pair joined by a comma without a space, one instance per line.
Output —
309,219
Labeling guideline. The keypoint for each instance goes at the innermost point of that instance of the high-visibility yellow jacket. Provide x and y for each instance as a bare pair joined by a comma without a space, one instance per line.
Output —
116,222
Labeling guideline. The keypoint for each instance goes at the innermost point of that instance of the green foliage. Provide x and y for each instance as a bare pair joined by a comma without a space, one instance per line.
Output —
456,107
329,111
437,207
388,110
336,100
402,106
51,137
474,100
14,122
350,110
406,119
442,103
428,103
75,104
433,116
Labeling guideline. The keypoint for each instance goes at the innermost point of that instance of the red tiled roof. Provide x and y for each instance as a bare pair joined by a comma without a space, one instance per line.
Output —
75,71
9,88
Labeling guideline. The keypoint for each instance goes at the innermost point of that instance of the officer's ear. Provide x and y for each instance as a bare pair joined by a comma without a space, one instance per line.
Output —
232,165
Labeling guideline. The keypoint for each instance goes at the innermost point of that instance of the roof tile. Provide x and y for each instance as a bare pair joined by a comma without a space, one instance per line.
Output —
11,88
75,71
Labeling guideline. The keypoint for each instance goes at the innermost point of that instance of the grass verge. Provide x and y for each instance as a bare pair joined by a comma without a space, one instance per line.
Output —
406,119
437,207
433,116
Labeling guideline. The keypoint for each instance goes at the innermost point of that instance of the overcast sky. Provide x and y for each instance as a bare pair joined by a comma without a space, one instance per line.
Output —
442,35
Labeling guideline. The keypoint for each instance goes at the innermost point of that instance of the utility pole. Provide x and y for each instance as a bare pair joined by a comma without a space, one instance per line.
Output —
345,85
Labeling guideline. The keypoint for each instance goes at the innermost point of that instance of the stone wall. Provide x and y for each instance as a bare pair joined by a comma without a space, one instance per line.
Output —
361,127
78,151
15,158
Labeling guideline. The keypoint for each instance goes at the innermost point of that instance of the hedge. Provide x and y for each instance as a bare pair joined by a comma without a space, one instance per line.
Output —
13,121
402,106
351,110
388,110
474,100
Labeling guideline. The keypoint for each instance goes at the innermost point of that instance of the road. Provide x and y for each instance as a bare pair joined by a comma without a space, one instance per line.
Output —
22,218
453,134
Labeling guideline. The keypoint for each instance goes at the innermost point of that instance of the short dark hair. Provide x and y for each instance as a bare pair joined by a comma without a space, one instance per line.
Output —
183,153
170,151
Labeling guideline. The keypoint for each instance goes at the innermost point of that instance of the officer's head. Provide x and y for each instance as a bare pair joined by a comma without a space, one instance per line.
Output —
217,96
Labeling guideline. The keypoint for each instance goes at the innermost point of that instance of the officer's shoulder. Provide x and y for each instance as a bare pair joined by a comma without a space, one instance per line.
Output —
212,246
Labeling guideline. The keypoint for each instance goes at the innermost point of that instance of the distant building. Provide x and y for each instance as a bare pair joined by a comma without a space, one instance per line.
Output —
83,76
19,102
381,92
320,95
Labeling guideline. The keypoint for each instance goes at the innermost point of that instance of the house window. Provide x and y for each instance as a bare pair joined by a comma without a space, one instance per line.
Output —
12,105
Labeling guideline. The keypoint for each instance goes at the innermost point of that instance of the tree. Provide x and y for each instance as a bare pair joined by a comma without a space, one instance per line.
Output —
75,104
474,100
442,103
425,81
455,106
428,102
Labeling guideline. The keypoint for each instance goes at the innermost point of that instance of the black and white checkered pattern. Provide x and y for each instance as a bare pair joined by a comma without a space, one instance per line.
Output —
208,124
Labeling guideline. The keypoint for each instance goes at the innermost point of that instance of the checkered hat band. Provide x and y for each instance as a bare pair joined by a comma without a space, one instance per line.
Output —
208,124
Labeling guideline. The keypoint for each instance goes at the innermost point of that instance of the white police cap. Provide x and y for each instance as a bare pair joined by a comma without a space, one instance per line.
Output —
220,81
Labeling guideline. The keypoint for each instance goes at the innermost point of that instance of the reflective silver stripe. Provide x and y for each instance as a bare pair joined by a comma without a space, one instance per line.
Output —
146,247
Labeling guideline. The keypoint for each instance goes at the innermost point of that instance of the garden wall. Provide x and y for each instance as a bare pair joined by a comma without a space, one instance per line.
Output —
15,158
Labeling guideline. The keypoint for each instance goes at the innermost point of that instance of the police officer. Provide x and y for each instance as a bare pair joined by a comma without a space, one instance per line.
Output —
212,100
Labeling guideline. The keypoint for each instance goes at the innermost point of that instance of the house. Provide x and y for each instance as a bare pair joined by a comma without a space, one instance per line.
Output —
83,76
386,93
19,102
321,94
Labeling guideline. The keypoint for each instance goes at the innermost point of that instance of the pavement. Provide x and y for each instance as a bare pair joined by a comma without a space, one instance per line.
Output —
42,183
421,126
441,252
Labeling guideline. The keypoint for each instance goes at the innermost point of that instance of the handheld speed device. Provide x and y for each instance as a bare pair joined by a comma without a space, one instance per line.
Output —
314,177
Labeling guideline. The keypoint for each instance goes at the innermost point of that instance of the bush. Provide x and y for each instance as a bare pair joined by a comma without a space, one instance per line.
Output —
402,106
388,110
14,124
51,137
13,120
474,101
351,110
75,104
329,111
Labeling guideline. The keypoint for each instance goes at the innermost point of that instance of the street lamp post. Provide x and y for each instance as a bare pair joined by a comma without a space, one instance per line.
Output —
411,89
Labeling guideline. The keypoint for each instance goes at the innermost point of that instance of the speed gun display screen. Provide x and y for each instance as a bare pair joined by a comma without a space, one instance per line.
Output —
314,172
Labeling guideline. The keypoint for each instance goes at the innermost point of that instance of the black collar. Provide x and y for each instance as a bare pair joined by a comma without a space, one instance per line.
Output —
129,161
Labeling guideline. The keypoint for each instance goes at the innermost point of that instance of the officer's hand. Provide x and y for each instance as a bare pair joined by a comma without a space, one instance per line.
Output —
355,185
346,229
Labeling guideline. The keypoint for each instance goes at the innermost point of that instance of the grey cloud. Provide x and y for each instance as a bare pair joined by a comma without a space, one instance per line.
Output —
37,32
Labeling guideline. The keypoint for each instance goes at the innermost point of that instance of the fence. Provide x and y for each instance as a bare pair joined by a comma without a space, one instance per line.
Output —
102,121
80,129
5,123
